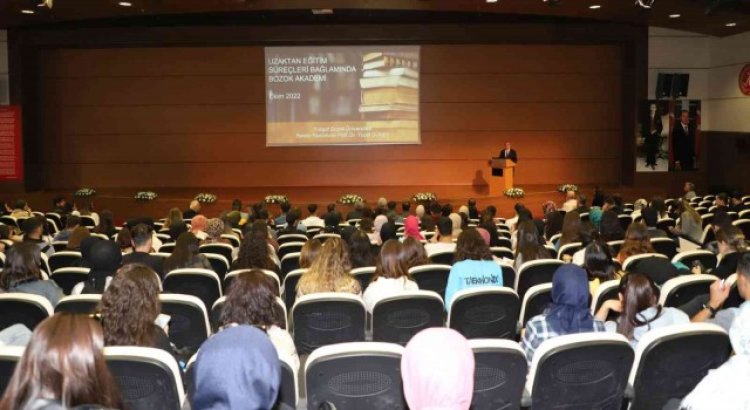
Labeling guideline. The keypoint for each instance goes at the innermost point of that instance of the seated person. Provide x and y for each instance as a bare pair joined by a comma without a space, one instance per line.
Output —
186,255
636,242
22,273
731,243
443,241
597,263
360,250
255,252
329,272
71,224
650,219
142,247
33,232
568,313
391,276
105,259
313,220
193,210
530,245
129,308
76,237
473,267
21,210
639,309
709,309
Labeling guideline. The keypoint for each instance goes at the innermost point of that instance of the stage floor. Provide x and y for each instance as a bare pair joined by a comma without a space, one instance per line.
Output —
121,202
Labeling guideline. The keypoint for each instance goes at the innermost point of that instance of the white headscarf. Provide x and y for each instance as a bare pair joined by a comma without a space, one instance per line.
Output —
726,387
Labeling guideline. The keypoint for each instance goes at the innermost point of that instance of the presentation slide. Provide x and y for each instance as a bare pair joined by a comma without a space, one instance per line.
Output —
342,95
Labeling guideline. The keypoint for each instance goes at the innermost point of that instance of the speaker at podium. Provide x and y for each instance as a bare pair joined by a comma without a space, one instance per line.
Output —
504,168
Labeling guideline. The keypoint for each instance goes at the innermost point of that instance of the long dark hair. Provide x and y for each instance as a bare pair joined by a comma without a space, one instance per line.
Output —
184,253
638,292
636,242
63,361
471,246
598,262
530,245
106,223
553,223
391,263
360,250
610,228
571,228
255,253
129,307
251,300
414,253
22,264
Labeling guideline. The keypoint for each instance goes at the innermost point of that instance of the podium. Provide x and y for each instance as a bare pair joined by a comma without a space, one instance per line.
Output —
505,168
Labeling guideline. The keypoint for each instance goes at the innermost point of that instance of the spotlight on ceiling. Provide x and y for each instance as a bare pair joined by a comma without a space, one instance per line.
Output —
491,1
595,6
551,2
646,4
674,16
27,11
731,24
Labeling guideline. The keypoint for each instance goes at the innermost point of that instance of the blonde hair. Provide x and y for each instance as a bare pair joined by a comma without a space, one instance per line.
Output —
329,271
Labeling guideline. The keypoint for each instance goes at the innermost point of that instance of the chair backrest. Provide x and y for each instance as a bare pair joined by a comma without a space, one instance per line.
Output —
9,220
665,223
167,247
707,219
327,318
535,301
682,289
744,225
665,246
60,246
231,238
87,221
569,249
219,264
670,361
606,291
291,237
499,374
289,247
323,236
188,326
290,287
485,313
9,357
625,221
632,261
584,370
288,390
432,277
509,274
614,246
67,278
442,258
554,238
201,283
223,249
355,376
397,318
706,258
64,259
148,378
56,218
81,304
535,272
24,308
363,275
289,263
502,252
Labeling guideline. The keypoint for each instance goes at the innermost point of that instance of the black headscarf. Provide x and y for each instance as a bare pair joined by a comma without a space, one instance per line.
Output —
105,259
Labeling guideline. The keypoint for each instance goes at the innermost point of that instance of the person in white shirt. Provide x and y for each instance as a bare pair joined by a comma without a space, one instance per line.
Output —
391,276
313,220
443,241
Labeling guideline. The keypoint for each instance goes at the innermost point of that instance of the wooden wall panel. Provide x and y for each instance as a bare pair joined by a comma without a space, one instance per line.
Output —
195,117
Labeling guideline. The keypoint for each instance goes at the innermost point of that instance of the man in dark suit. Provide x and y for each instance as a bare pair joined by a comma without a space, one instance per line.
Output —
683,142
509,153
141,234
651,131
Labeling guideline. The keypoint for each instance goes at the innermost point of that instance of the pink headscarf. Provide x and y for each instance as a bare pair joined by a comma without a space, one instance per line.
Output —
437,369
198,224
411,228
485,235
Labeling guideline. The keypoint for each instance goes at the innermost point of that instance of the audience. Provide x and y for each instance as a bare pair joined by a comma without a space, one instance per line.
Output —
360,250
129,309
21,210
443,241
63,367
391,276
329,272
198,226
731,243
87,209
71,224
610,228
76,238
414,253
33,232
309,252
689,191
530,245
568,313
710,308
142,247
473,267
186,255
597,261
411,228
193,210
251,300
636,242
650,218
571,229
125,240
106,225
255,253
437,369
388,231
639,309
22,274
237,368
313,220
104,261
173,217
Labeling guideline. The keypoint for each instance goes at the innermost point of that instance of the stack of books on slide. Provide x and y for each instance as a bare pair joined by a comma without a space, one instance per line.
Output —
390,86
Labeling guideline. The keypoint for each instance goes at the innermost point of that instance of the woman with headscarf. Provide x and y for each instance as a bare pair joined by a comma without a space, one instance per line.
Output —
726,387
457,222
388,231
237,368
104,261
377,224
437,369
86,246
198,226
411,228
568,313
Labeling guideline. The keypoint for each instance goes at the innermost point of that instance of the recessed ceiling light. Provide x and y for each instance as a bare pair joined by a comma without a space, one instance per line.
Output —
27,11
674,16
491,1
595,6
125,3
731,24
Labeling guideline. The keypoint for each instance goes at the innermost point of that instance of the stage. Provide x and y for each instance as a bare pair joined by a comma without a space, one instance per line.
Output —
123,205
